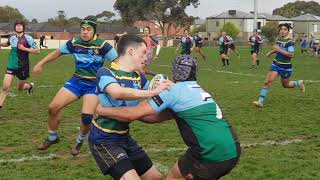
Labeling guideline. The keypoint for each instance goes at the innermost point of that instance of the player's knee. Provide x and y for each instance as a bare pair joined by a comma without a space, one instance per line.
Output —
86,118
54,108
5,89
156,176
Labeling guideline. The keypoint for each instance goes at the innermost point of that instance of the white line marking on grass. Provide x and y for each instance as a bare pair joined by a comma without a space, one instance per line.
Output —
245,145
153,150
45,86
238,73
12,95
32,158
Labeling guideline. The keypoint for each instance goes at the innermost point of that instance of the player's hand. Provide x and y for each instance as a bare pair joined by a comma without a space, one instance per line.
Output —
276,48
165,84
37,69
268,54
99,109
21,47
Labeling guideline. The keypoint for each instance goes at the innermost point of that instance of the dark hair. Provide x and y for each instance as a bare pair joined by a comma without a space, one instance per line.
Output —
128,40
287,25
147,28
186,30
19,22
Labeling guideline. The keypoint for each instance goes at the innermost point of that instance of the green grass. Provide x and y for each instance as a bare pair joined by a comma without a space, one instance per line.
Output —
287,115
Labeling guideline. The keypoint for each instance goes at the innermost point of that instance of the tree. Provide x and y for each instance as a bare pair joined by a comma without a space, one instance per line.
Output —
9,14
60,20
165,13
201,28
230,29
105,16
298,8
74,20
270,30
91,17
34,20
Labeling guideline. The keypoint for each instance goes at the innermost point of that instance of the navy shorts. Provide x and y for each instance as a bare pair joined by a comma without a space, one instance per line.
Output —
121,156
80,88
283,72
22,74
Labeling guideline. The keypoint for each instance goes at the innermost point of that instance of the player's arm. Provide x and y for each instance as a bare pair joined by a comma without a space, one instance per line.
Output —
127,114
29,50
289,53
49,58
179,45
157,118
118,92
4,44
142,111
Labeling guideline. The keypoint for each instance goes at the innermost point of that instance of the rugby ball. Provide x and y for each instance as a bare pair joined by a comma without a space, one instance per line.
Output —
156,80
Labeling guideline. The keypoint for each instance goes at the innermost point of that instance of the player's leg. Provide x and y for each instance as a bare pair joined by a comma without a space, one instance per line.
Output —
200,50
63,98
7,81
271,76
90,102
141,161
286,83
113,160
23,75
174,173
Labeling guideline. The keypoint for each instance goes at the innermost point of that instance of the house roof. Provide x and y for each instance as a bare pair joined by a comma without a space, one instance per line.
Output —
271,17
245,15
306,17
237,15
47,27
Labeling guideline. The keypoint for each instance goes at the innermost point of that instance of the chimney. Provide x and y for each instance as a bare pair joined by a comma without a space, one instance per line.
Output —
232,12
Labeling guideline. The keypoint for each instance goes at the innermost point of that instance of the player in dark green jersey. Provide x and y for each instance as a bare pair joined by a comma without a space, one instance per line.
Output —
213,147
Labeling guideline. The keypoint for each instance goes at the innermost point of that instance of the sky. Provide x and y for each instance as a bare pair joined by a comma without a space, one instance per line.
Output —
42,10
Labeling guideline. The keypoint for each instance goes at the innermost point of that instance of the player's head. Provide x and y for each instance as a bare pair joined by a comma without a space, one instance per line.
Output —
134,49
184,68
186,32
255,32
223,33
88,29
19,26
284,29
146,30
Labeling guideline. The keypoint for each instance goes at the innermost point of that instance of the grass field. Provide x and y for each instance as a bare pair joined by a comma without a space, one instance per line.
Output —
280,140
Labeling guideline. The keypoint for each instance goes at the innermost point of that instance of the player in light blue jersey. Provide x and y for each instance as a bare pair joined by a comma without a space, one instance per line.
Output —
281,65
213,147
89,53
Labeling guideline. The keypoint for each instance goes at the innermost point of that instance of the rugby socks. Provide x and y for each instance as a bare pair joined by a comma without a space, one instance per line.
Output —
81,137
297,83
52,135
227,62
263,94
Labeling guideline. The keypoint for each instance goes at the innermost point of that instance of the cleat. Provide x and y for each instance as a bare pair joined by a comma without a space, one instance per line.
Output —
30,91
76,149
302,86
47,143
258,103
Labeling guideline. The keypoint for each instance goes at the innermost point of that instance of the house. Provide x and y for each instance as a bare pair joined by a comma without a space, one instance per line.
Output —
242,20
155,28
307,23
53,32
